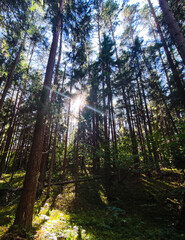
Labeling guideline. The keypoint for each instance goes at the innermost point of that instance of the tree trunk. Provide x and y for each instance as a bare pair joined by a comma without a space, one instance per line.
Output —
24,212
48,131
45,155
176,77
10,76
140,132
9,137
131,130
174,28
76,157
52,159
66,139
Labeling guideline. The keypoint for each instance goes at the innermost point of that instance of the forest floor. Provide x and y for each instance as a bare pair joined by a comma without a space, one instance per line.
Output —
135,207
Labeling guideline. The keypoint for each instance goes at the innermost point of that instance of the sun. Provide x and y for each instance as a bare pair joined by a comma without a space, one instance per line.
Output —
78,103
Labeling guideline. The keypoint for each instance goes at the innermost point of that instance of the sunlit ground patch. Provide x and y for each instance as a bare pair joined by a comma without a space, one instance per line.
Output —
56,225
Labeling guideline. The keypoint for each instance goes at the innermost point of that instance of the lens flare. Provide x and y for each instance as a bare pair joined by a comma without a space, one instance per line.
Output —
77,103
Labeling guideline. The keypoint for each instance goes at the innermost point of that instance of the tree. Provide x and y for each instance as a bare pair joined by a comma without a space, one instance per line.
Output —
24,212
176,75
173,27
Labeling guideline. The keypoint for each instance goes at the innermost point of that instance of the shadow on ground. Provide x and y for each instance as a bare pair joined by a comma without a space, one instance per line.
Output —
133,207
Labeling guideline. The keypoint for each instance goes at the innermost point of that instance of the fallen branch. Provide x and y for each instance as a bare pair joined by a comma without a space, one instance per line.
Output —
78,181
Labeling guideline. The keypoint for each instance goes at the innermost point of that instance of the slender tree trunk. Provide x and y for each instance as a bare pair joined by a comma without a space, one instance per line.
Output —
112,30
140,133
45,156
98,22
24,212
18,151
9,137
14,119
12,71
66,139
163,64
131,130
150,130
112,120
162,97
66,143
93,101
76,157
52,160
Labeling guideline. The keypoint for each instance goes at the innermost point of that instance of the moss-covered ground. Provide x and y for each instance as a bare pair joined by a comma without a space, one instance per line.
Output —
133,207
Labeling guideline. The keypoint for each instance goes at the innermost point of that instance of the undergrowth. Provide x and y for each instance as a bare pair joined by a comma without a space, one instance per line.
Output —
134,208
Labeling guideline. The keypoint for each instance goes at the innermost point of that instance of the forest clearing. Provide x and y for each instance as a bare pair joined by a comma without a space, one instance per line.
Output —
92,110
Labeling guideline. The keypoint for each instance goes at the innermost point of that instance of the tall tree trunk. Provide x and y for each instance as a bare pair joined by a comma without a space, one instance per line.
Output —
162,61
93,102
52,160
9,136
150,127
161,94
111,110
24,212
66,139
76,157
140,132
45,156
48,131
10,76
177,79
131,130
13,68
66,143
174,28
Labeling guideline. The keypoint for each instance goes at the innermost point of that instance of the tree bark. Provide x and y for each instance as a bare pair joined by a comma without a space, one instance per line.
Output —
48,131
177,79
174,28
24,212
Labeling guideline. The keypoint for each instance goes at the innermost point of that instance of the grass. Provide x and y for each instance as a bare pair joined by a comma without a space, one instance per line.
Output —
134,208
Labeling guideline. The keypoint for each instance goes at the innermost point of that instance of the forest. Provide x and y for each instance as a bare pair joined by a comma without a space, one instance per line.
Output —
92,119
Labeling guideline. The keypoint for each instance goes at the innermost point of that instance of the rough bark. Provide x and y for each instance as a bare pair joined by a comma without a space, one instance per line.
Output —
173,28
177,79
24,212
48,131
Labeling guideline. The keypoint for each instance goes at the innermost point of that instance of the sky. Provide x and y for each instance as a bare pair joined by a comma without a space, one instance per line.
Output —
143,32
143,2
